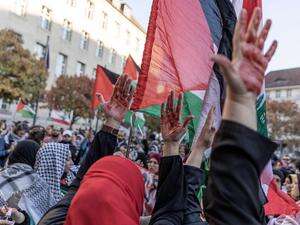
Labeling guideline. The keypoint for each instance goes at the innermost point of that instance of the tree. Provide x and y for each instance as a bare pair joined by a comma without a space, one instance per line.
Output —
21,73
284,122
73,95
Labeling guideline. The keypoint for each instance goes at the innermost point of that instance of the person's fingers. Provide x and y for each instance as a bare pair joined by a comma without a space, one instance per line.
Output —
187,121
100,97
251,35
210,118
264,34
170,102
127,87
116,88
256,57
130,94
225,65
270,53
179,105
240,28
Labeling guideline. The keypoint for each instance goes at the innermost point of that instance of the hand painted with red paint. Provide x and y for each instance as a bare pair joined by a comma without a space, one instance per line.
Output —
171,127
121,99
245,73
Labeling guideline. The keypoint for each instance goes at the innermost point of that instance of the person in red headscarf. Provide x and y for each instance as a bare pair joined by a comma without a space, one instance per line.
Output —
111,192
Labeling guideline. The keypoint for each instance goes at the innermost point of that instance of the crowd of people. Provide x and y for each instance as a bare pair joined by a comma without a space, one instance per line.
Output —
55,176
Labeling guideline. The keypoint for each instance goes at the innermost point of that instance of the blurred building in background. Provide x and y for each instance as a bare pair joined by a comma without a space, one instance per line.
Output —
82,33
284,85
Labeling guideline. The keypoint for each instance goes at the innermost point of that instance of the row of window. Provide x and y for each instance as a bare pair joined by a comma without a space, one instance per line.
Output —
279,93
67,25
62,62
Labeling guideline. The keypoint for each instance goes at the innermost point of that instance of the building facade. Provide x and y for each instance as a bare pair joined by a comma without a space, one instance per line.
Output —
81,34
284,85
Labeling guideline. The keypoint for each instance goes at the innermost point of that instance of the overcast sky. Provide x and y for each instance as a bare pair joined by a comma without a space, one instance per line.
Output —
286,28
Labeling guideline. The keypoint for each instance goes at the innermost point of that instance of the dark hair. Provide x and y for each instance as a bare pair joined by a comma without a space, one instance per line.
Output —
37,134
24,152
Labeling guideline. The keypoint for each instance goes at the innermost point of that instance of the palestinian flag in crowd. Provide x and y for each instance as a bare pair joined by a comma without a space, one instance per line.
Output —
131,69
104,85
181,39
24,109
60,118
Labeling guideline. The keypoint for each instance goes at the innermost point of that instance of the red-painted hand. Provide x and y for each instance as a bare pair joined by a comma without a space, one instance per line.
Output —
245,73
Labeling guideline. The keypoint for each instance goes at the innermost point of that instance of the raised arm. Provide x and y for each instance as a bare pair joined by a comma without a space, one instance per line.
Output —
103,144
234,195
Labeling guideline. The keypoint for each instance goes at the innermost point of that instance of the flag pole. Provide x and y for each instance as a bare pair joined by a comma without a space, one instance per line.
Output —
132,122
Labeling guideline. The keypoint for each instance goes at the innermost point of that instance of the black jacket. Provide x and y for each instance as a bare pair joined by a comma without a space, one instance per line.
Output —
234,194
103,145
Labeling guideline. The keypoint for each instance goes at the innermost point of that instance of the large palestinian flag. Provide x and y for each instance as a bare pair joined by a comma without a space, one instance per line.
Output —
181,39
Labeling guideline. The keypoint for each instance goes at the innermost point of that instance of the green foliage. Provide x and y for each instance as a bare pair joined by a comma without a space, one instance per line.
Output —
21,73
72,94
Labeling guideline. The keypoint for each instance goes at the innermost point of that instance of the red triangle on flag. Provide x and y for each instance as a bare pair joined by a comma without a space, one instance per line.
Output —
102,86
131,68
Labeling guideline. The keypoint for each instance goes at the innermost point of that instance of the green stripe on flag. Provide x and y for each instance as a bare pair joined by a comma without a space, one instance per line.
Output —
261,115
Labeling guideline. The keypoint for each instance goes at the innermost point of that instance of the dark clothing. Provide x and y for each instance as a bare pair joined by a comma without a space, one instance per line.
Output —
24,152
72,148
177,201
103,145
3,151
233,193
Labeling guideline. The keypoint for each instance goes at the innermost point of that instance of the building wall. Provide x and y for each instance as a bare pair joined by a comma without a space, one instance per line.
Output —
113,38
291,93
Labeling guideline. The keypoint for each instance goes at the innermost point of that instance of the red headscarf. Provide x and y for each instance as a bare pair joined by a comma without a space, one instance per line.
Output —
111,192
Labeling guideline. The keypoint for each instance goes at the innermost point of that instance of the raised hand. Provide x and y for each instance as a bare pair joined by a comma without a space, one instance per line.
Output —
171,128
245,73
121,99
204,141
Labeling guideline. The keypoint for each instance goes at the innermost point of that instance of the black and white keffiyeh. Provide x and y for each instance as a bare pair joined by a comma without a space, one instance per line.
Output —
50,165
34,193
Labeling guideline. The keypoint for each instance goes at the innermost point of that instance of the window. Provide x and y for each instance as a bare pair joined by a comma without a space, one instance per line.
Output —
40,50
61,65
46,18
278,94
67,30
128,37
80,68
84,41
289,93
137,45
118,29
71,3
113,58
20,7
90,9
104,20
99,49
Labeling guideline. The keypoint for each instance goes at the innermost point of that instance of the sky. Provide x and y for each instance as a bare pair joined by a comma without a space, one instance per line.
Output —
286,28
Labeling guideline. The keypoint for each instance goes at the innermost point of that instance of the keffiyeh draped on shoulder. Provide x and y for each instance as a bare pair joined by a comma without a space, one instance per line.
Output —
50,164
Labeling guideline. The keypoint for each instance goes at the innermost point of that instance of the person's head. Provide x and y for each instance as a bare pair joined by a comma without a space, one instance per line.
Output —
123,149
50,165
292,186
153,162
109,193
69,164
55,132
49,130
121,136
141,160
20,129
25,152
183,150
68,135
279,178
286,160
37,134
